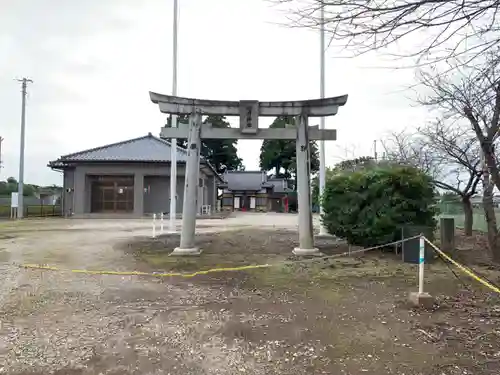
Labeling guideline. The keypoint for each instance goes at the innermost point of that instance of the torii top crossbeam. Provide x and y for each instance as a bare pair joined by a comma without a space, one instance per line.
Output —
313,108
249,112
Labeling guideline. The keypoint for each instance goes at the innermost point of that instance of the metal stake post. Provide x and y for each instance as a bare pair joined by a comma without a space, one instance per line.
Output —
421,265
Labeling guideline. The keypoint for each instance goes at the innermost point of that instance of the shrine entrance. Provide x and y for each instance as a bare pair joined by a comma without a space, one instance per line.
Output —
248,112
111,194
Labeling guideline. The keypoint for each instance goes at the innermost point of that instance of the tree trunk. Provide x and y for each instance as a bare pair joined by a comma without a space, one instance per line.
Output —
491,163
469,217
489,214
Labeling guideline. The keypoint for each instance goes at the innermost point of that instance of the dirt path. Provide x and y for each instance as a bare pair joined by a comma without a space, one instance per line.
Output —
344,318
91,324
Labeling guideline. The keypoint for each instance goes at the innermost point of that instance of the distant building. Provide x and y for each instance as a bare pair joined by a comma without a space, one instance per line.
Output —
254,191
49,196
129,178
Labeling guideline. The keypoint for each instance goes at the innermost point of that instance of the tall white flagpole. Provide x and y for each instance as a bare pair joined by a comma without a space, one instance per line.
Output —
322,166
173,153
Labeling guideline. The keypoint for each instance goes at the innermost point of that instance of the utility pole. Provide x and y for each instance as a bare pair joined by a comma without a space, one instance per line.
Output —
322,166
375,150
173,141
1,161
20,191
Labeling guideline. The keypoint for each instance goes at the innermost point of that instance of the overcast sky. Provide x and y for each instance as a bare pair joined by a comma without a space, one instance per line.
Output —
93,63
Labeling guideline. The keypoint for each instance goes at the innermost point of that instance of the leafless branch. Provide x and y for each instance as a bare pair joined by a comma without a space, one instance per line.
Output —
471,93
449,154
457,29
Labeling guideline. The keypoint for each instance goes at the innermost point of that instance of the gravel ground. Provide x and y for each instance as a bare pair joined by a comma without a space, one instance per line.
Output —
347,317
81,324
86,324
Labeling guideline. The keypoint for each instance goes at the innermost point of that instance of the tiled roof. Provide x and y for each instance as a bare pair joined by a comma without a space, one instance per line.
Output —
245,180
146,149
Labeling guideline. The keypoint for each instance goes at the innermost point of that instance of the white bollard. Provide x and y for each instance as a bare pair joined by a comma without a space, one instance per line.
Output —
154,225
161,223
421,263
421,299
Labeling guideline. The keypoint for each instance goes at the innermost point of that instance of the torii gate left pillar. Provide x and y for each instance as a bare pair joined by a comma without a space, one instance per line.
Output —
249,112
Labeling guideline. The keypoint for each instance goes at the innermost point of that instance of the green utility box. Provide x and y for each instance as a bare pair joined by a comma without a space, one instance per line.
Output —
411,248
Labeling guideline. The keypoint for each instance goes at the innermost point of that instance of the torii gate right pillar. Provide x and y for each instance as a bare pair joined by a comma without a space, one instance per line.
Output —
306,240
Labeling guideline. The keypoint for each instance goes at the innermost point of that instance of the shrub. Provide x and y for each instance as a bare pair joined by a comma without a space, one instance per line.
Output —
368,207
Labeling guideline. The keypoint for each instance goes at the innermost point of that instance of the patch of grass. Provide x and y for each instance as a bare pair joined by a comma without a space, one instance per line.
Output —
334,279
297,280
162,260
232,248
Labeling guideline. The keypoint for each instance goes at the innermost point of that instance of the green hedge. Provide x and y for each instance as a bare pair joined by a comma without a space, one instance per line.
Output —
369,207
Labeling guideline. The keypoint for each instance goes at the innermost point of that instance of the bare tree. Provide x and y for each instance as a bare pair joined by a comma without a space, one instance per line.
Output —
409,148
464,29
489,210
449,154
456,160
473,93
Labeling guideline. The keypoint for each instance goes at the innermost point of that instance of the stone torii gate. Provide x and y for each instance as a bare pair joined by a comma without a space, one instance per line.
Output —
249,112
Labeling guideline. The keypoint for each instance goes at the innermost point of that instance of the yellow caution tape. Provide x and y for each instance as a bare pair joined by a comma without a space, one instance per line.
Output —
464,269
243,268
138,273
212,270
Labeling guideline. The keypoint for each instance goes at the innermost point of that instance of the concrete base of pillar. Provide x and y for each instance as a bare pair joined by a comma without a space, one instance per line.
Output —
306,252
421,300
186,252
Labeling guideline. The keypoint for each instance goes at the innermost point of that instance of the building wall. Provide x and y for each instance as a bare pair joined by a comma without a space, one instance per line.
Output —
151,187
68,198
261,200
262,204
157,194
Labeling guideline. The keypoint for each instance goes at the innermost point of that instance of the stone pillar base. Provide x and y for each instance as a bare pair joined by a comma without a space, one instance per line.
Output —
186,252
307,252
421,300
